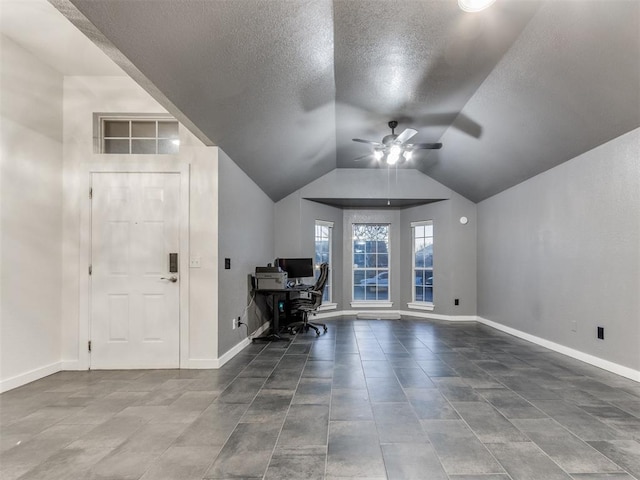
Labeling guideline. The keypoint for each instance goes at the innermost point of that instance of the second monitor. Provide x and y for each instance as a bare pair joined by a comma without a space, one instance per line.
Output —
296,268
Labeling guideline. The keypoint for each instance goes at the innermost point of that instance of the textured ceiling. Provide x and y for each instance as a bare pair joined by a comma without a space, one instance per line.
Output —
283,86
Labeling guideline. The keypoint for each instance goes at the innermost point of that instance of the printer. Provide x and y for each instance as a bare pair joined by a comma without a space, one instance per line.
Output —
270,278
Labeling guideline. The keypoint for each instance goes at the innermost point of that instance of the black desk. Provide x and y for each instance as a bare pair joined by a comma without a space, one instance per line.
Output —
276,294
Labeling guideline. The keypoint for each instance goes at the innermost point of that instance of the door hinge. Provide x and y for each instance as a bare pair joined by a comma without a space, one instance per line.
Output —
89,345
90,269
90,193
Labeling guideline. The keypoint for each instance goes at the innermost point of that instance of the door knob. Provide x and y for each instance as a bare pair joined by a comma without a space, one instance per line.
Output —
172,279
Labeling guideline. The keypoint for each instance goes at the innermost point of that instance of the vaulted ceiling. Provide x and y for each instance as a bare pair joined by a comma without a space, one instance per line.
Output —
282,86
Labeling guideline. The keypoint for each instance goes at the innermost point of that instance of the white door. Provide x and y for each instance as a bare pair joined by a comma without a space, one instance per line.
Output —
134,297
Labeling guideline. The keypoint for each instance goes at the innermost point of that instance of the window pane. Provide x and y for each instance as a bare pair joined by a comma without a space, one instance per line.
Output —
116,128
383,260
423,262
143,129
116,146
168,147
358,292
143,146
168,130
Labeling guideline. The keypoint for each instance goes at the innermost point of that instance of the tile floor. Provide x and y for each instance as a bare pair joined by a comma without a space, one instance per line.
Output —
374,399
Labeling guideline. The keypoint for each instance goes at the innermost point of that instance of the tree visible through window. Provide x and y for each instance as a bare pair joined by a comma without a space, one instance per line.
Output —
370,261
422,262
323,235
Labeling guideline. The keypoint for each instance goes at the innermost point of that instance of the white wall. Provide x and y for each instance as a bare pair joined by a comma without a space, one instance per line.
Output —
82,97
246,236
562,251
31,217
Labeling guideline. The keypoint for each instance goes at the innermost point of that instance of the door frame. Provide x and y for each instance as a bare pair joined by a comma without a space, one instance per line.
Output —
153,165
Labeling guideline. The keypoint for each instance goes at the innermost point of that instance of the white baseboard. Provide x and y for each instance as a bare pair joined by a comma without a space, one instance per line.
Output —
439,316
70,365
30,376
570,352
229,354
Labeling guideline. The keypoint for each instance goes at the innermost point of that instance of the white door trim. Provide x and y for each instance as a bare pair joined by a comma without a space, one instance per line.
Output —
133,166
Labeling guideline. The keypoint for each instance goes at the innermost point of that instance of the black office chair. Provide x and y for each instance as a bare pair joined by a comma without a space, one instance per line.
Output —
306,306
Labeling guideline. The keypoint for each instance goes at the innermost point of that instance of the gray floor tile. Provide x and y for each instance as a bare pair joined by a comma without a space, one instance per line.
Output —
246,453
354,450
269,406
625,453
510,404
430,404
412,462
350,404
296,467
568,451
305,425
67,463
411,372
313,391
489,425
525,461
182,463
459,449
122,465
397,423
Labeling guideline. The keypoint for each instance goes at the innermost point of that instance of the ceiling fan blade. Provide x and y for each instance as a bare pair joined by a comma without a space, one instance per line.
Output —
375,144
406,135
426,146
362,157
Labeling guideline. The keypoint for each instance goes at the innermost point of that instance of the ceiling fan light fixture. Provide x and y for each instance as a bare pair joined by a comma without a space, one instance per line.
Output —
392,158
408,154
474,5
395,150
378,154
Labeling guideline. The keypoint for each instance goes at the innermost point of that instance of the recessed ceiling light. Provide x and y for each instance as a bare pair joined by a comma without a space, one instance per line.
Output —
474,5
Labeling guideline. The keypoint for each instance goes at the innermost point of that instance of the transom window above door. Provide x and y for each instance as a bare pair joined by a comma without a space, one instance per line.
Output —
138,135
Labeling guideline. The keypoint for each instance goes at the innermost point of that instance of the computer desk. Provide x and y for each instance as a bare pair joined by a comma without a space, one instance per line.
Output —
276,294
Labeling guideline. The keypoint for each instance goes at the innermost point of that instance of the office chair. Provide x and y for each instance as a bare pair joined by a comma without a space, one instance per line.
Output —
306,306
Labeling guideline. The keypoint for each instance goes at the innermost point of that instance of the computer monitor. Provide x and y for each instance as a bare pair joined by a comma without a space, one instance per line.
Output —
297,268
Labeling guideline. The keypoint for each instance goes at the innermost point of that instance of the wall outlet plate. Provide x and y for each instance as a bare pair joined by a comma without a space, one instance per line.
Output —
194,262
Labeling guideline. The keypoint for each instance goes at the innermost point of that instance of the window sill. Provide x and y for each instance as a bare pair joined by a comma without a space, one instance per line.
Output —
374,304
421,306
328,306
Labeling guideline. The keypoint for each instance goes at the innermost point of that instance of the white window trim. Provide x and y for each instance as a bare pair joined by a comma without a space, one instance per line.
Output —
100,117
428,306
371,303
325,223
416,304
328,306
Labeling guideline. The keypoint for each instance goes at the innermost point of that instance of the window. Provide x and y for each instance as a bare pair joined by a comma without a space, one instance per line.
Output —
370,262
323,236
422,261
139,135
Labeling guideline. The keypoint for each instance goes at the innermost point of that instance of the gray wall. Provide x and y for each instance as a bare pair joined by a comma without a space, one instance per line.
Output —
564,247
246,236
455,244
454,254
295,233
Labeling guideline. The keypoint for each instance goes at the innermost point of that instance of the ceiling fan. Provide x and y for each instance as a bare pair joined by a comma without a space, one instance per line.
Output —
395,147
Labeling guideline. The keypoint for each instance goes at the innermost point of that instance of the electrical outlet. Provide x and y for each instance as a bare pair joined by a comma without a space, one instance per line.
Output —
456,301
601,333
234,323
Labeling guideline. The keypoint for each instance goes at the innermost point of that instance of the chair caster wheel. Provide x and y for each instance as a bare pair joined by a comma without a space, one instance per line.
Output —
325,329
